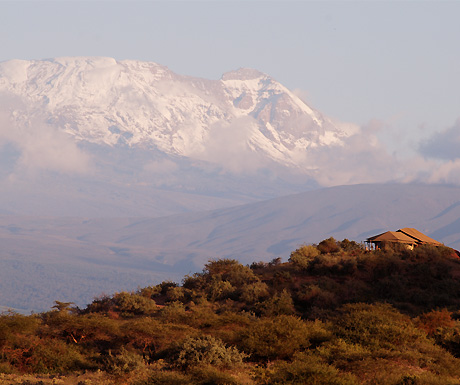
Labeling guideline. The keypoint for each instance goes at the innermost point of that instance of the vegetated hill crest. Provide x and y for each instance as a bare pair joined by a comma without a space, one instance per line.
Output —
335,313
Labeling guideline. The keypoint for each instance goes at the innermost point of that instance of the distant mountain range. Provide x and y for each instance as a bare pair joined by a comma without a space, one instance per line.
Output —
92,136
75,259
119,174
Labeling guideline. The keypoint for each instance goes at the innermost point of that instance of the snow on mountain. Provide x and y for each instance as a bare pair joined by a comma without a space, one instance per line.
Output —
104,101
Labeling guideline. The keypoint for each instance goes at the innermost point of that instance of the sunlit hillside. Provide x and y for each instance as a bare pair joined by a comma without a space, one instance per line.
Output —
335,313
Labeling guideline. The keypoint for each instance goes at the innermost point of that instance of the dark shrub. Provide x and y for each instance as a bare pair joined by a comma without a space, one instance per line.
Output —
329,246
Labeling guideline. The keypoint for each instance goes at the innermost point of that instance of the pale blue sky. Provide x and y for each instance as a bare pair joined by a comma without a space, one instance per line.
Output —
398,62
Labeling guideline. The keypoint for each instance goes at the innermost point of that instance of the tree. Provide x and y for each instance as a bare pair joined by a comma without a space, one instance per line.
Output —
303,256
63,307
329,246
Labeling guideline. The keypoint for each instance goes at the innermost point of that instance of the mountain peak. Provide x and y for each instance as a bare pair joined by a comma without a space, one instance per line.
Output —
99,61
243,74
108,102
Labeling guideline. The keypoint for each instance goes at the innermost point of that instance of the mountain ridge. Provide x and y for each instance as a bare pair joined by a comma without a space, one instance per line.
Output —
111,102
109,170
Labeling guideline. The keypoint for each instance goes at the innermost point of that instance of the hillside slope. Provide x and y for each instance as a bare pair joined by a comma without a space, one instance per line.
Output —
334,314
80,258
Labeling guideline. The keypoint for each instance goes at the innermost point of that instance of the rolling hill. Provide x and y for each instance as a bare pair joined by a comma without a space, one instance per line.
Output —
76,259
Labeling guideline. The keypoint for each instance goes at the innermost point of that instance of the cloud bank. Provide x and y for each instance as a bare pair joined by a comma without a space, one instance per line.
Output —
362,157
32,147
445,145
442,153
228,145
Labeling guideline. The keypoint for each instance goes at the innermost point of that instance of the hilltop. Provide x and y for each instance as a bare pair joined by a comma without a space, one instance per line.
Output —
333,314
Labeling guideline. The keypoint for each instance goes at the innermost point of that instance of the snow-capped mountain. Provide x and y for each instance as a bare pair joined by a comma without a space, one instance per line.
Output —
144,104
127,156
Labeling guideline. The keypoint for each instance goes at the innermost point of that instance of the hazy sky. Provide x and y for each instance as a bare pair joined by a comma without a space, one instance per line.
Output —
398,62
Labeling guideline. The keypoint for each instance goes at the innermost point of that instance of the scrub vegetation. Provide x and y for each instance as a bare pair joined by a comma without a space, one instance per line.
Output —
334,313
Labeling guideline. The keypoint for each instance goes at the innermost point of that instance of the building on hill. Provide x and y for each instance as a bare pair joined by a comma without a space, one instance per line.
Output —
421,238
407,236
378,241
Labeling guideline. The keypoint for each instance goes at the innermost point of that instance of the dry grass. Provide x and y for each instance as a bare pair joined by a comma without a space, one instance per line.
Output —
94,378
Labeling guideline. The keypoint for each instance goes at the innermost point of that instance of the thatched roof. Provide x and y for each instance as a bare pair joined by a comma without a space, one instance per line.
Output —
418,236
392,236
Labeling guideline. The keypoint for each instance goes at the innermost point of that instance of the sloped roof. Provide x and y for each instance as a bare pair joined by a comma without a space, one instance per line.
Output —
417,235
392,236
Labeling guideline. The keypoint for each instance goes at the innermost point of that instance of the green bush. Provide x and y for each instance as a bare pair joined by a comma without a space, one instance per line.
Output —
306,369
210,375
390,335
341,353
176,294
351,246
277,337
150,291
315,296
219,289
123,362
377,326
281,279
253,292
134,304
303,256
205,350
278,304
167,378
13,323
327,264
224,279
173,312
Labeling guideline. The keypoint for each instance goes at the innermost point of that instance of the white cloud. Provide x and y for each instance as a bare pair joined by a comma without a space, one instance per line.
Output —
46,148
365,158
361,159
32,147
302,95
437,159
40,147
448,172
443,145
228,146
